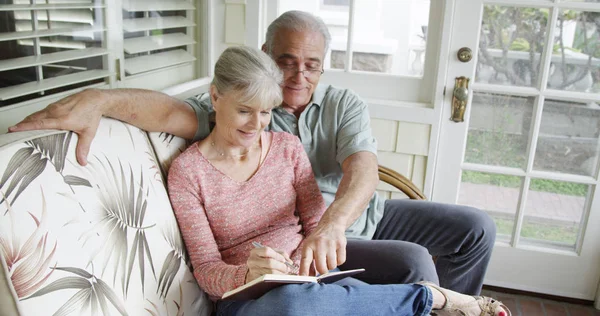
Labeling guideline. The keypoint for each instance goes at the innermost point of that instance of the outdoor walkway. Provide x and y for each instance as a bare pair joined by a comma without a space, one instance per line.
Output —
543,205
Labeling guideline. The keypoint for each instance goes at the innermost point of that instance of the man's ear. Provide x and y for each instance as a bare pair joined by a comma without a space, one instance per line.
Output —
264,47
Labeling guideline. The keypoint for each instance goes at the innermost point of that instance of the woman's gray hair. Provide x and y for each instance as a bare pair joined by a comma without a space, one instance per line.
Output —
252,73
297,21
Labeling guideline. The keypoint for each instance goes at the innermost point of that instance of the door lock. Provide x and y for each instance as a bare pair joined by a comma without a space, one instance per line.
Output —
464,54
460,96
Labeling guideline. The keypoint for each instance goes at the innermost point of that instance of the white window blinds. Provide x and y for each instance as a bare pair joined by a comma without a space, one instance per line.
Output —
157,34
50,46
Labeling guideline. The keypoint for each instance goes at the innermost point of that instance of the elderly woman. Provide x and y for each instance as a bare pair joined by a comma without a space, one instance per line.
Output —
243,184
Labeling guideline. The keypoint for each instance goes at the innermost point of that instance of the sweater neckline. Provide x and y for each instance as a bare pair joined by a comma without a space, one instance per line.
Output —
260,166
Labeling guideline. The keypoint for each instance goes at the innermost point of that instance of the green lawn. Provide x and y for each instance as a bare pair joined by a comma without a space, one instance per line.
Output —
499,149
542,231
540,185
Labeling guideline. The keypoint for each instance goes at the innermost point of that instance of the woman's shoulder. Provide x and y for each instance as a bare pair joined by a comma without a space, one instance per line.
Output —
189,156
285,138
286,145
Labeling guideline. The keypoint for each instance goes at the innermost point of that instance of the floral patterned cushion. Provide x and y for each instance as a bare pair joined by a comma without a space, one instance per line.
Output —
166,147
99,239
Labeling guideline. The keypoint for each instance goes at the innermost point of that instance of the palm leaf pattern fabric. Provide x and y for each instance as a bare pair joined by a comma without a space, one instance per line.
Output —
173,261
124,207
95,240
28,263
29,162
92,293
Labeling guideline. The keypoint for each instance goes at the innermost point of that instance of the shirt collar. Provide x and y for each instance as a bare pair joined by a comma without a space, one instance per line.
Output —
319,94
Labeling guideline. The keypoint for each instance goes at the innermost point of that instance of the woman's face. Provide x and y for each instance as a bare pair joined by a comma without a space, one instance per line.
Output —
238,124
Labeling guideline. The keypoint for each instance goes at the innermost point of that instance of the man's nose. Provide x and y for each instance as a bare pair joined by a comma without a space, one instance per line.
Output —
298,75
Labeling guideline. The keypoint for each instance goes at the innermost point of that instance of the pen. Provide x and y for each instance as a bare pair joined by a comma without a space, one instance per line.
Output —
294,268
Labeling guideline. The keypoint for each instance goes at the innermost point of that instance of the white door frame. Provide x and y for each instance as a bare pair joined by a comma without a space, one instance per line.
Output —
451,152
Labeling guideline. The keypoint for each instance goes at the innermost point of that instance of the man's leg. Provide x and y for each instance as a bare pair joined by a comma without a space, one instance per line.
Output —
461,237
389,262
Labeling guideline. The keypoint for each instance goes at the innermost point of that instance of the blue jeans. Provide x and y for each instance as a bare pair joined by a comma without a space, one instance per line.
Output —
335,299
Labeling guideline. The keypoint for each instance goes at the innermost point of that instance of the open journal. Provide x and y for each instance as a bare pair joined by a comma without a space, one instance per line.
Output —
256,288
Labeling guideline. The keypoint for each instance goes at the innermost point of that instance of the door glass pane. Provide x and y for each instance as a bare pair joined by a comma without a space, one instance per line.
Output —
499,130
511,44
497,194
389,35
569,139
576,56
554,212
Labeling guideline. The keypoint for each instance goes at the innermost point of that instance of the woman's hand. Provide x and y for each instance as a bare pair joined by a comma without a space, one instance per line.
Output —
266,260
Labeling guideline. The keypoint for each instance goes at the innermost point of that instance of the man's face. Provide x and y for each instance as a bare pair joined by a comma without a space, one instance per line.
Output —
295,52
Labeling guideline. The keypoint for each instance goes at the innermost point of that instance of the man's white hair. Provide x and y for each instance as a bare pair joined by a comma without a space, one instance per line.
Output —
298,21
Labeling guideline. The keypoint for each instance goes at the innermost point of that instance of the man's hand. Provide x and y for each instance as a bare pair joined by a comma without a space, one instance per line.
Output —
80,113
326,245
266,260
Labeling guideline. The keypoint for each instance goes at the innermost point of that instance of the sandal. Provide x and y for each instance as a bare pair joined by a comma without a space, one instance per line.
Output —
487,305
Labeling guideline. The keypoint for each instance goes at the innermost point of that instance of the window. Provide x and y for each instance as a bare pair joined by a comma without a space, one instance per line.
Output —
54,46
335,5
157,34
344,3
50,47
387,36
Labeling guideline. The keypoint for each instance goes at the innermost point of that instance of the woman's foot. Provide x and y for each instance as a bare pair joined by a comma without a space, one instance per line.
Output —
447,302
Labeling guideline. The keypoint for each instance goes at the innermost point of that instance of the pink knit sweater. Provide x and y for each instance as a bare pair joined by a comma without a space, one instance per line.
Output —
220,217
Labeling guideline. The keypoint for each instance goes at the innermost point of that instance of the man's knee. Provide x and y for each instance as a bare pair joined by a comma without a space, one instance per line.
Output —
418,263
485,222
399,262
481,225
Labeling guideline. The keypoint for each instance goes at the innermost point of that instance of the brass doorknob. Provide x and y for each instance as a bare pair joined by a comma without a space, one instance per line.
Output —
460,96
461,93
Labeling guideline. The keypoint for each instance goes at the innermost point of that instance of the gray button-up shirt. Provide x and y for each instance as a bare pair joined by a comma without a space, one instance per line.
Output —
332,127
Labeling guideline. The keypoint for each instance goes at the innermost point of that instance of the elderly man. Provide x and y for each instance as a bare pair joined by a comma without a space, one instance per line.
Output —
333,124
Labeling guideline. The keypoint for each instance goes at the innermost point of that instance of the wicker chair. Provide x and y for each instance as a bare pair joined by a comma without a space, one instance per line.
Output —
401,183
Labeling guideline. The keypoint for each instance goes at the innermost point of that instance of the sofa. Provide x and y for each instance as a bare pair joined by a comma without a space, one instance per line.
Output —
100,239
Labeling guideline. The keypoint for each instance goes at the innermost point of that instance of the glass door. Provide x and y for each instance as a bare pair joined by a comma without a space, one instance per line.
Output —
527,150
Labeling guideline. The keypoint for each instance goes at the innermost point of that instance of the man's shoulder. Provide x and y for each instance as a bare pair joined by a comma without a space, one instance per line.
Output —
199,99
340,96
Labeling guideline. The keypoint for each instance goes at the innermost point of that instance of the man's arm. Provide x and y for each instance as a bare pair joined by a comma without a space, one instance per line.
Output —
81,113
327,243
